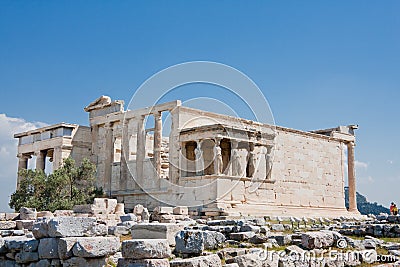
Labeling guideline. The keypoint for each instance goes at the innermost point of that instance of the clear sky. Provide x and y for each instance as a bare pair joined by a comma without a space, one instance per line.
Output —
320,64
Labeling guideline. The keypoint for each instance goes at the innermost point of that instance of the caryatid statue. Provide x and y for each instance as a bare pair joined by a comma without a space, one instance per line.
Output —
236,166
199,160
268,161
252,161
218,164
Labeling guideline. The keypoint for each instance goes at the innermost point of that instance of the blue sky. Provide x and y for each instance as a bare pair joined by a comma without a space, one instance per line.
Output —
320,64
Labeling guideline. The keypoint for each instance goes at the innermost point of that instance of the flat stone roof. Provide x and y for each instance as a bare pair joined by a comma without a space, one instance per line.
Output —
47,128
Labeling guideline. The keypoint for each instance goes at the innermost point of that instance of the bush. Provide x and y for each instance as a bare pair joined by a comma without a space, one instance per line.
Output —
66,187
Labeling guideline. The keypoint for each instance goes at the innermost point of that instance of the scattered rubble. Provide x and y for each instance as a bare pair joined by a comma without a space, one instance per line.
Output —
101,234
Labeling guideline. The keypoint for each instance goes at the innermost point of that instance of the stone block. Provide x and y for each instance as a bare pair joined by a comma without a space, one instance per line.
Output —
111,205
45,263
11,216
119,230
212,213
14,243
252,260
89,262
100,203
111,217
2,216
27,213
30,245
189,242
146,249
91,247
210,260
45,214
277,227
242,236
25,224
61,213
258,239
128,224
4,233
7,225
3,247
165,218
71,226
128,217
89,209
163,210
312,240
143,263
119,209
18,232
181,210
156,231
7,263
98,230
282,239
48,248
213,240
40,228
138,209
26,257
65,246
250,228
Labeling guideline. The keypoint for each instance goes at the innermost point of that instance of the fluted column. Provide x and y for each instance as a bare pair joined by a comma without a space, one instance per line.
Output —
95,145
109,158
140,150
125,154
351,178
22,165
40,160
59,155
268,162
157,142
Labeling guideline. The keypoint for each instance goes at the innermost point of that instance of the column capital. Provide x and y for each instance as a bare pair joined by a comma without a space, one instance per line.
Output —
39,153
218,140
351,143
23,156
108,125
156,114
199,143
234,143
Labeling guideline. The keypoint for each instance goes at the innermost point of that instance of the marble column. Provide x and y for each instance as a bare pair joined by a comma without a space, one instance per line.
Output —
157,142
40,159
95,145
125,154
109,158
140,150
268,162
22,165
351,177
59,155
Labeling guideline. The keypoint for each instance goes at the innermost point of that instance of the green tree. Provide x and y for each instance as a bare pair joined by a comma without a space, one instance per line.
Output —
66,187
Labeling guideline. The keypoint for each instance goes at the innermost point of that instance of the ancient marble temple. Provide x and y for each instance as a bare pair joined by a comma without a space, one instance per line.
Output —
216,164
